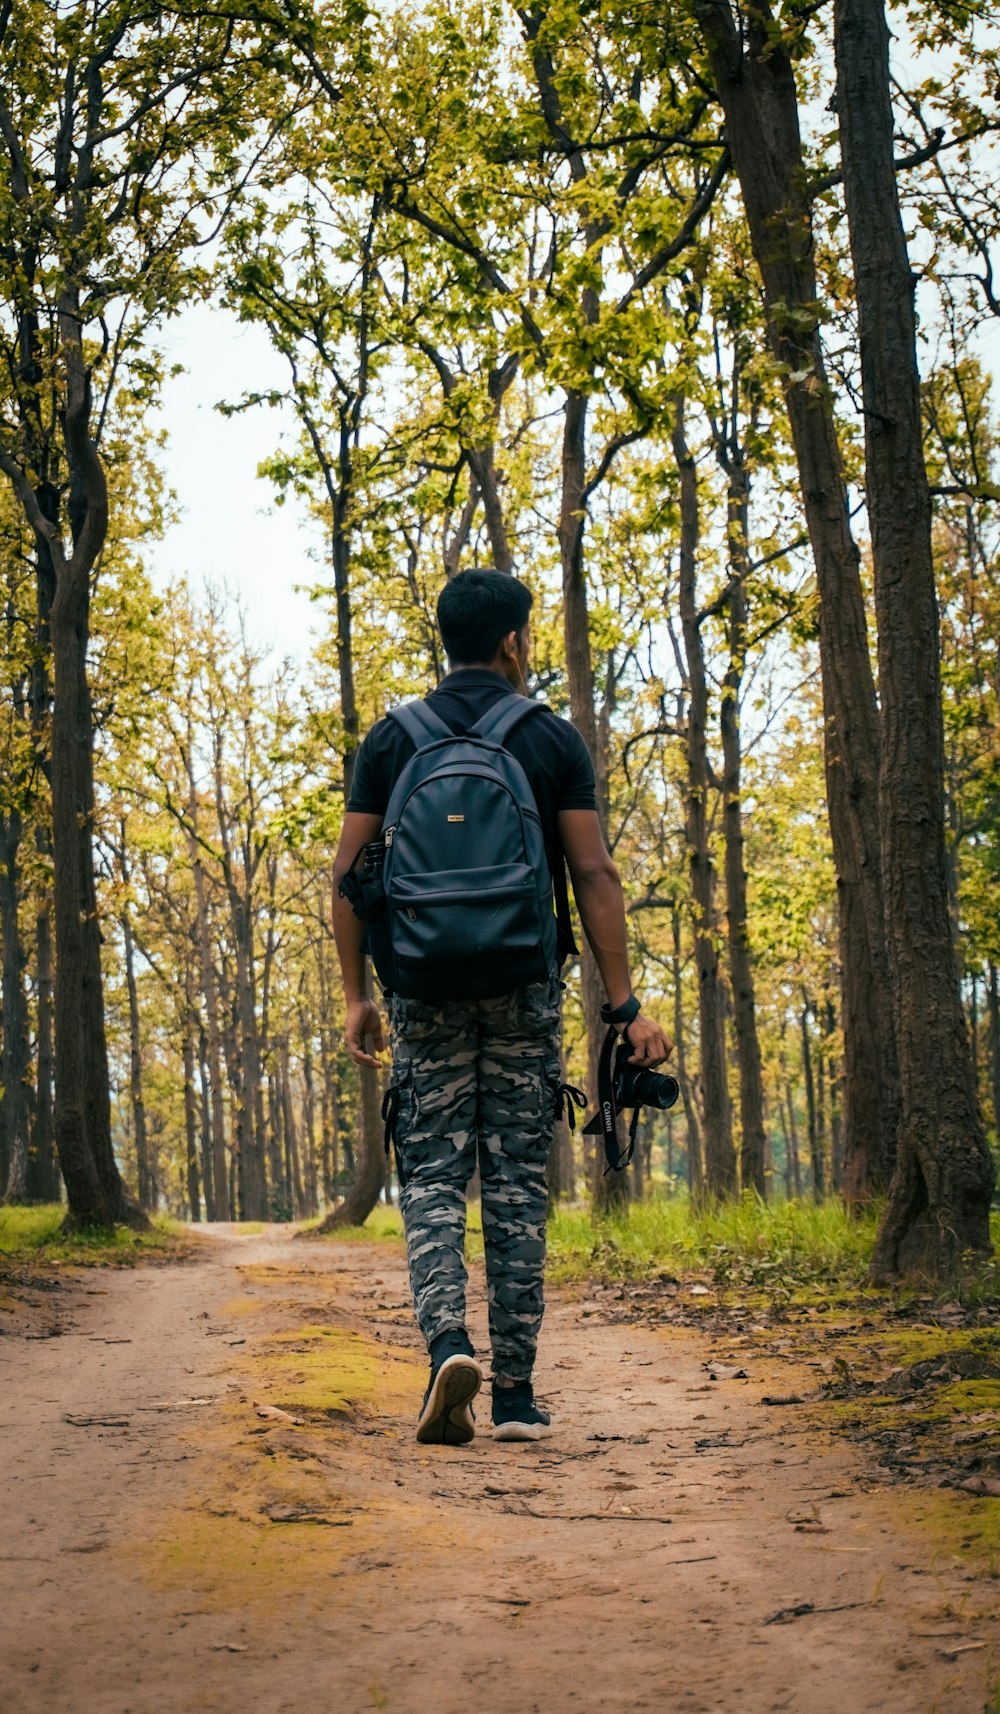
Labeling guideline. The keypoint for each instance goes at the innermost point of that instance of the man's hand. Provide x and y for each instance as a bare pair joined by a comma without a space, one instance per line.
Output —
650,1045
364,1019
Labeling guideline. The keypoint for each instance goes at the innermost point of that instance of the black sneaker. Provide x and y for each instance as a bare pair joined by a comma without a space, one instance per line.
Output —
446,1418
516,1415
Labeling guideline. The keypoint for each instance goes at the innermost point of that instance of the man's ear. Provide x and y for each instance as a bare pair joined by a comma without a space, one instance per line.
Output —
508,646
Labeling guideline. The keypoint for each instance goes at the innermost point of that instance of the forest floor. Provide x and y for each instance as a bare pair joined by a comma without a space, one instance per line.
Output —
699,1532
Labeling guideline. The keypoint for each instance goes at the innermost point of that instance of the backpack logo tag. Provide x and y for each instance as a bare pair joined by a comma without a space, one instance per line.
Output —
456,818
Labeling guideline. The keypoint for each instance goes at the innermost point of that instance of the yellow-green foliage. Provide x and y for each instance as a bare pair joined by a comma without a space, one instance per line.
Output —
38,1233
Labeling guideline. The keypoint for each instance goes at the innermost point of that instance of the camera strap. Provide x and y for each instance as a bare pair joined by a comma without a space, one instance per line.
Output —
604,1123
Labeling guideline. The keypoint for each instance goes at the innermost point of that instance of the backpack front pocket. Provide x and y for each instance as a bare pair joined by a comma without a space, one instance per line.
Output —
467,932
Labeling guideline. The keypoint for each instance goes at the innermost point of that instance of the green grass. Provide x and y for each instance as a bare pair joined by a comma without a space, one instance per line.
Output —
383,1223
780,1250
37,1234
746,1245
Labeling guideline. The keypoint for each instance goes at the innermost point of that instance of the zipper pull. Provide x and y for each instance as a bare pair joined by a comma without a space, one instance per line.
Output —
389,835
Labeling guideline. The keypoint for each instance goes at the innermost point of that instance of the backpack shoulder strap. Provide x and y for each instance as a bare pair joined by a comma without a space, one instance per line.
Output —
420,724
498,722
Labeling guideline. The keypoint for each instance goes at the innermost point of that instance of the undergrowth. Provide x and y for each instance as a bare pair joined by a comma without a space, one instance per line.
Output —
39,1234
742,1245
781,1250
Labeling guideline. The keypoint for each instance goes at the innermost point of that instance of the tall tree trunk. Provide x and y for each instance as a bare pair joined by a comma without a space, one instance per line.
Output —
833,1073
607,1189
205,1109
191,1122
82,1099
15,1109
753,1144
793,1137
210,993
251,1127
135,1060
329,1115
483,466
280,1176
756,86
309,1116
940,1196
720,1156
43,1166
291,1132
815,1142
695,1157
994,1006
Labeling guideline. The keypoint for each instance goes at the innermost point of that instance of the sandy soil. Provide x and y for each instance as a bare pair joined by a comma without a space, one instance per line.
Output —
678,1545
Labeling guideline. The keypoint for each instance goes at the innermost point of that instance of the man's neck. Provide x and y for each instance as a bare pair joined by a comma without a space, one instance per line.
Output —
478,667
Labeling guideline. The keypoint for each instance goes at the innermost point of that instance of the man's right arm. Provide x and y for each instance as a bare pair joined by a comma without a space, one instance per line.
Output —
597,889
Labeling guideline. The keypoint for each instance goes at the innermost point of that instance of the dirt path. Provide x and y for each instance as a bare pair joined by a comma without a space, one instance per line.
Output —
166,1550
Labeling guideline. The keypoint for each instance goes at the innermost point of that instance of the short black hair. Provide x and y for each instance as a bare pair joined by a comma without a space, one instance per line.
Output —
477,609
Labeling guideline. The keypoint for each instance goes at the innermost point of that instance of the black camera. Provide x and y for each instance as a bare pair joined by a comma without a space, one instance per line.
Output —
635,1087
621,1085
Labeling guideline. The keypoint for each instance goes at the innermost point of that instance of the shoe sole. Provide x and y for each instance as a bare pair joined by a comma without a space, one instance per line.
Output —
446,1419
522,1431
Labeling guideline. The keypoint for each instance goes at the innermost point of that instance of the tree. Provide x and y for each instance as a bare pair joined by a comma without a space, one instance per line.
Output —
942,1187
752,67
113,126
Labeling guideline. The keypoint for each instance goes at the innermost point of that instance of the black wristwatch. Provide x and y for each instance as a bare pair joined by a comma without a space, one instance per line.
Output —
625,1014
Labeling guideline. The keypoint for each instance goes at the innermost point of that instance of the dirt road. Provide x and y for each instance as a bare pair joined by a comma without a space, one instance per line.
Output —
678,1545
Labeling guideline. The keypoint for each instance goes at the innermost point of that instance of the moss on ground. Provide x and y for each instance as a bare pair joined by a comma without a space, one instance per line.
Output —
38,1234
334,1371
278,1512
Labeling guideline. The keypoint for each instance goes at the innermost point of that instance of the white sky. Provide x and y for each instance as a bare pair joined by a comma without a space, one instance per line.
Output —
230,530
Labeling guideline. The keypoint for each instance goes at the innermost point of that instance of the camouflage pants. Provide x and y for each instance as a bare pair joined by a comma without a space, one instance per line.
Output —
478,1079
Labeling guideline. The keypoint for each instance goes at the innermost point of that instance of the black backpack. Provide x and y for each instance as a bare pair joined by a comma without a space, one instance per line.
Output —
466,908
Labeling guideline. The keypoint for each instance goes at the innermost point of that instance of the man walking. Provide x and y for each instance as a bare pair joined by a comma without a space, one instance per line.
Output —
478,1079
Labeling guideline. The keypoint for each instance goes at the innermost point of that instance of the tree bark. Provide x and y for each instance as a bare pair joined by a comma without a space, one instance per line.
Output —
43,1167
940,1196
994,1006
607,1189
309,1116
82,1106
753,1143
720,1155
815,1143
205,1114
210,993
15,1110
191,1122
145,1183
695,1156
756,86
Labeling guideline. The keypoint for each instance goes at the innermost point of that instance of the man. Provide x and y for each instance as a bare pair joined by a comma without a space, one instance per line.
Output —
480,1079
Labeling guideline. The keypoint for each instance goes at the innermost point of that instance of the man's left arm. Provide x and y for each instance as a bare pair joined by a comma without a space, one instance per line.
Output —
598,892
363,1016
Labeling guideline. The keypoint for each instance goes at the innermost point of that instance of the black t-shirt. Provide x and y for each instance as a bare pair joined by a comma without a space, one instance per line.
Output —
551,752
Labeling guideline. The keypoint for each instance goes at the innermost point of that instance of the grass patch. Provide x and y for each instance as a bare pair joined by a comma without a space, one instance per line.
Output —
37,1234
745,1246
384,1224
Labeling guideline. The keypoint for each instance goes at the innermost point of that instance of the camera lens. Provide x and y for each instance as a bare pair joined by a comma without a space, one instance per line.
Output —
653,1090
